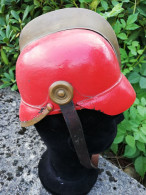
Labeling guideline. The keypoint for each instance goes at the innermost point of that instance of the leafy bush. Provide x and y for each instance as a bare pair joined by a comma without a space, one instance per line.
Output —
132,135
128,21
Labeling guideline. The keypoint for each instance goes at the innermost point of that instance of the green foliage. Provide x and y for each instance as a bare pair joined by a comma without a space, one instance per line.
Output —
140,165
138,76
9,80
132,135
127,17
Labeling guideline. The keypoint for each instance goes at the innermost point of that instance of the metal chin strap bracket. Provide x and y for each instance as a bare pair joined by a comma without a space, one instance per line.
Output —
61,92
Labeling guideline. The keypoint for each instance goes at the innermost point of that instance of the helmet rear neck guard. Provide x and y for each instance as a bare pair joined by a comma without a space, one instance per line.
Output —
65,19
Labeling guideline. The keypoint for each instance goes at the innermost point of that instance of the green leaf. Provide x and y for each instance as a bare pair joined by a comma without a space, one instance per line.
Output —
82,5
5,80
122,36
7,75
14,87
2,7
142,22
123,23
48,8
142,138
136,135
142,82
140,165
11,34
135,43
118,139
104,4
2,21
129,151
37,3
121,130
2,34
133,60
134,77
141,10
143,101
15,15
117,27
5,85
13,21
143,129
94,4
11,74
135,155
114,148
114,2
123,53
130,141
12,37
126,115
4,57
7,18
140,51
85,1
128,124
141,110
133,112
140,146
116,10
132,18
133,50
26,12
132,27
136,101
8,31
133,124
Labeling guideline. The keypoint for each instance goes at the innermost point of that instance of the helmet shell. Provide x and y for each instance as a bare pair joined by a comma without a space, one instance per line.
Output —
80,57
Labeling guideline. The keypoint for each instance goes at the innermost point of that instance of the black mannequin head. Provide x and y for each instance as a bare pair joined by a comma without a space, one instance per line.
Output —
60,170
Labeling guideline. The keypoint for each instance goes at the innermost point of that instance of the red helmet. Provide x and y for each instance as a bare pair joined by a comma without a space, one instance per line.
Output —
64,59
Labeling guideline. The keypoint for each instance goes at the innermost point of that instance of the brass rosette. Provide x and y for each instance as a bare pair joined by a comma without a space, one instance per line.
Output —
61,92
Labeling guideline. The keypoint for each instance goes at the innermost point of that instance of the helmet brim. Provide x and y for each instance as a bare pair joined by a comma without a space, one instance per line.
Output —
114,101
31,115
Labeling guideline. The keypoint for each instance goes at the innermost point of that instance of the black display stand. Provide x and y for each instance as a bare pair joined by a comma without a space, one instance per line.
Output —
59,169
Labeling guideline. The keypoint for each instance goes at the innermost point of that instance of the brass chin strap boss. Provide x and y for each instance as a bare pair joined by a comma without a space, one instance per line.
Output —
61,92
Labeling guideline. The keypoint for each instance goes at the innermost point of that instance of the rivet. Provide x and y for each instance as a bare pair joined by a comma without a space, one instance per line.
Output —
61,93
49,107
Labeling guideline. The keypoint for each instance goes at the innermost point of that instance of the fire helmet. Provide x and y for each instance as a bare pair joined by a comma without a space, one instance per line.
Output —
70,55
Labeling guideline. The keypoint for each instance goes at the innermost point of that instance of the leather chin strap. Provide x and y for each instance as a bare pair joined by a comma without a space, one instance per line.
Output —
76,132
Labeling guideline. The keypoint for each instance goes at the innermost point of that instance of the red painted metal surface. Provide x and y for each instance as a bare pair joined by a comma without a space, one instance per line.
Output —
81,57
